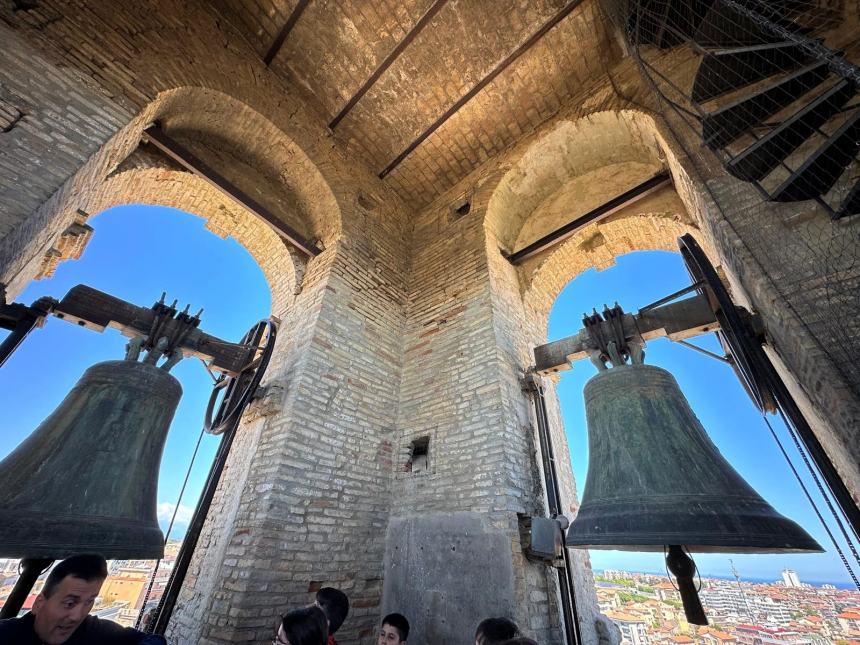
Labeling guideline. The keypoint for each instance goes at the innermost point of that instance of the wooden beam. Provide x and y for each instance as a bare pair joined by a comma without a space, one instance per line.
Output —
385,64
97,311
677,321
595,215
285,31
468,96
178,153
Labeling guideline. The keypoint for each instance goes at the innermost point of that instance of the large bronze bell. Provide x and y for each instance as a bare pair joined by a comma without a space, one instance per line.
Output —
86,479
656,480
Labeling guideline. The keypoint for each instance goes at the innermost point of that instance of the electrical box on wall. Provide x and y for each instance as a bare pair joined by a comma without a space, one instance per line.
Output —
542,538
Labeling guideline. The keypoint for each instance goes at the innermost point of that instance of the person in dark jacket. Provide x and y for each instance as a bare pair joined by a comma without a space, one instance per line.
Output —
335,606
305,626
493,631
60,613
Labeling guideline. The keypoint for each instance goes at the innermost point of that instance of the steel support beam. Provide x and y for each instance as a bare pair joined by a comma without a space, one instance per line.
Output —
677,321
285,31
601,212
385,64
468,96
155,136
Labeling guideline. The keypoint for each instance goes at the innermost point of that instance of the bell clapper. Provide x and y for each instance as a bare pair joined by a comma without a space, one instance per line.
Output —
683,568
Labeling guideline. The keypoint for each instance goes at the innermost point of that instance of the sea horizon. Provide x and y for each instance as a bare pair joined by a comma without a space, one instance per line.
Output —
754,579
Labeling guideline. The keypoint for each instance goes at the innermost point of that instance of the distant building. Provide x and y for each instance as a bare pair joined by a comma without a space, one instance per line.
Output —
709,636
849,622
633,628
790,578
127,588
757,635
667,591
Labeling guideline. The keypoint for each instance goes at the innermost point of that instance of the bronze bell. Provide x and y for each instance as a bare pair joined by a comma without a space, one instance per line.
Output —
656,480
86,479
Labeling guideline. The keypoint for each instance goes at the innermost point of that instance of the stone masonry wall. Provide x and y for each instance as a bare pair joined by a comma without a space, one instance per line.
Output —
481,459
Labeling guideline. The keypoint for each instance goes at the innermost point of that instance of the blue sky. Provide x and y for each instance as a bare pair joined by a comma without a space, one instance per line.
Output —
136,253
126,260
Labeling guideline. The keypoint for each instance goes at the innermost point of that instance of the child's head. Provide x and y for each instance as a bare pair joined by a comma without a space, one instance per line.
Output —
394,630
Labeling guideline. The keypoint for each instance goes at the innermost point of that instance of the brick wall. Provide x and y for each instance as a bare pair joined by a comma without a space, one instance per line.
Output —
409,326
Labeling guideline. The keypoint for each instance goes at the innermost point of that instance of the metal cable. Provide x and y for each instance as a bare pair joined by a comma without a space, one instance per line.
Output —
812,502
821,489
169,529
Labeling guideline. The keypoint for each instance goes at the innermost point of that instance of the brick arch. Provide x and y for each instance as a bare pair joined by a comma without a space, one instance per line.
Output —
571,169
254,152
609,139
188,193
597,247
247,147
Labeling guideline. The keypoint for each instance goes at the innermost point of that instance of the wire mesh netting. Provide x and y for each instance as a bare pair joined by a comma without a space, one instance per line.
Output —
767,93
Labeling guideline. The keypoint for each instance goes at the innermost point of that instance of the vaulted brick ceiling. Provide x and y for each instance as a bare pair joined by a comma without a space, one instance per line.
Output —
332,48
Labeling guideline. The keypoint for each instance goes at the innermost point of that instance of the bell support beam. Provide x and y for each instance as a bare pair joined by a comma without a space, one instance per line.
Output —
676,321
158,138
97,311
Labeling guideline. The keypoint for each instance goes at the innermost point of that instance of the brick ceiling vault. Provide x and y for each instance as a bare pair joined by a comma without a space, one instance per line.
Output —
385,73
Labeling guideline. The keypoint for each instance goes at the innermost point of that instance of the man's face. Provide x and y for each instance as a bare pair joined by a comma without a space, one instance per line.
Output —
58,616
389,636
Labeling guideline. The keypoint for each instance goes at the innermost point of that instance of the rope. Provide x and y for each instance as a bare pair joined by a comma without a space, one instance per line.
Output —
809,497
167,533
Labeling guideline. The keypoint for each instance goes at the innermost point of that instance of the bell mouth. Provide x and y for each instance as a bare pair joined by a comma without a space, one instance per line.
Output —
703,525
693,548
26,534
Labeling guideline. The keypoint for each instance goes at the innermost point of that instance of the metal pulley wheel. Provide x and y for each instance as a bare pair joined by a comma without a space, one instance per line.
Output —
235,392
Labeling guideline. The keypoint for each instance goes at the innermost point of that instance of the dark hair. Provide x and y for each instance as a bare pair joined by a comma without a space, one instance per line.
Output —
398,622
335,606
86,566
522,640
496,630
305,626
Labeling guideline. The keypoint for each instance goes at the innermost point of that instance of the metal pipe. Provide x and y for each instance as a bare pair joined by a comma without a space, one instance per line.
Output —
553,492
384,65
158,138
301,5
19,333
183,559
31,569
230,415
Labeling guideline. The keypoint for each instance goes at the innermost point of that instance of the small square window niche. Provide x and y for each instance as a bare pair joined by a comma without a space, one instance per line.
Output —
419,452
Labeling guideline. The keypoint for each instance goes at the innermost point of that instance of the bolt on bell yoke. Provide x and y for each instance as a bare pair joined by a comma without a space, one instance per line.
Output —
657,482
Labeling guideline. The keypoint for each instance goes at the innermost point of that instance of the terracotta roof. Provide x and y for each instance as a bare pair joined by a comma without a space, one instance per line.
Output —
629,618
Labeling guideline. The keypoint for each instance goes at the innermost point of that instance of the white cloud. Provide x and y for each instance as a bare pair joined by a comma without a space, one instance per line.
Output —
165,512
